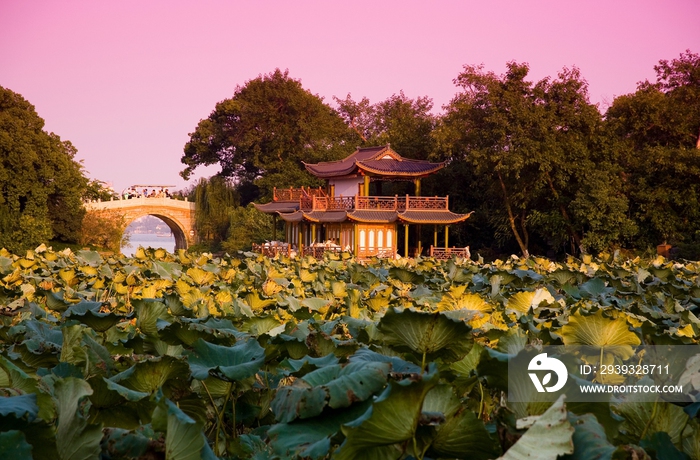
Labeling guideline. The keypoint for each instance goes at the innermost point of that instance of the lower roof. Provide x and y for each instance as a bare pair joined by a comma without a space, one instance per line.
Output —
421,216
277,206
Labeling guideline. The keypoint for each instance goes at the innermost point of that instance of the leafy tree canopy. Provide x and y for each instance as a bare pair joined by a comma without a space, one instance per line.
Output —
41,183
265,131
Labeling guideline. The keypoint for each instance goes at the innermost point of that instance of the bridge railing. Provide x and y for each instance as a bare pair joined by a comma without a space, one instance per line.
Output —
142,201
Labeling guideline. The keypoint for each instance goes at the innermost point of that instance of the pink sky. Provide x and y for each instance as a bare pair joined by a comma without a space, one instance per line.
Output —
126,81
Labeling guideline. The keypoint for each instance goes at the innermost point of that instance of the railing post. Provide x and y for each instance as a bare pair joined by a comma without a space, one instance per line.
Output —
357,202
396,202
447,202
407,205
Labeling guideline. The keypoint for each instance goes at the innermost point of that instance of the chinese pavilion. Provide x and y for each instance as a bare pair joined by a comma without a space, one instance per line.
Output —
344,216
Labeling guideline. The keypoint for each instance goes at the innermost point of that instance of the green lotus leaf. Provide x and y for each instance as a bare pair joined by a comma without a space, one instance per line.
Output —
55,300
398,366
425,333
659,446
89,313
238,362
312,437
150,375
259,325
647,417
12,376
590,441
597,335
462,434
300,400
595,288
121,443
293,366
76,439
337,386
393,418
14,445
19,406
148,312
184,439
117,406
550,436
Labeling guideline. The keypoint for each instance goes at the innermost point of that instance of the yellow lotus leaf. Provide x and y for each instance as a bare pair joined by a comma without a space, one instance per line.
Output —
686,331
193,296
307,276
120,288
228,275
339,289
256,303
524,300
98,284
200,276
223,297
270,288
497,321
471,302
119,277
88,270
160,253
149,292
140,254
598,335
50,256
131,279
14,278
182,256
182,287
26,263
68,276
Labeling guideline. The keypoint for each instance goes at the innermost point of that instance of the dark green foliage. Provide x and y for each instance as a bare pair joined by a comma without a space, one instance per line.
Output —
41,184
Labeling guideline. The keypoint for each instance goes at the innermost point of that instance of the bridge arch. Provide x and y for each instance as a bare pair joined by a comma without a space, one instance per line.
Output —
178,215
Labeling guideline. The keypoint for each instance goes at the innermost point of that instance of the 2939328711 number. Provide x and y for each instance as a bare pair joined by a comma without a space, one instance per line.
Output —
633,369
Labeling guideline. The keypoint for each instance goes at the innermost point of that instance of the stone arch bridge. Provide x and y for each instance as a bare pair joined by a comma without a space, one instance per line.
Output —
177,214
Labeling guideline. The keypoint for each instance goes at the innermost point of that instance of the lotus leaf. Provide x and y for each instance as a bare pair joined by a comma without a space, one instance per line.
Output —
597,335
14,445
425,333
393,418
89,313
238,362
550,436
76,439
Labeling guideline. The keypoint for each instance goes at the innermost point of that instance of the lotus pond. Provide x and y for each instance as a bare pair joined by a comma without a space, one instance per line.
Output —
182,356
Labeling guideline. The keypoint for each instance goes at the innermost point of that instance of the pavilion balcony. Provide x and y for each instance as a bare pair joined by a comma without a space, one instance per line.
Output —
296,194
376,203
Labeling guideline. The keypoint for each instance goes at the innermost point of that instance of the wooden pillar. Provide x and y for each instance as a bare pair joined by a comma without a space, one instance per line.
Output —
435,235
301,240
313,234
274,227
447,230
405,244
416,182
365,189
356,240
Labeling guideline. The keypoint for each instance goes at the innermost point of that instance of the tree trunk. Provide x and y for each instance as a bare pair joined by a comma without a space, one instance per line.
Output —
511,218
569,226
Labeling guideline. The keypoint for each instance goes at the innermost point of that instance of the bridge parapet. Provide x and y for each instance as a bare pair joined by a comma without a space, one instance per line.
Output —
142,201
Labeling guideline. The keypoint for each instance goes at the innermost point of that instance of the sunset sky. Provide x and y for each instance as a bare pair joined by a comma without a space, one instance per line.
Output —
126,81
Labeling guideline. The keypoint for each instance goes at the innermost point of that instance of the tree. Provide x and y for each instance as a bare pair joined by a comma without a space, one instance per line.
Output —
534,149
404,123
40,181
657,131
215,198
104,229
265,131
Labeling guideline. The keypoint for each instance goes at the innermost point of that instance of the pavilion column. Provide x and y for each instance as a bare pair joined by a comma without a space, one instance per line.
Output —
447,231
356,240
313,233
416,183
405,244
301,240
435,232
365,189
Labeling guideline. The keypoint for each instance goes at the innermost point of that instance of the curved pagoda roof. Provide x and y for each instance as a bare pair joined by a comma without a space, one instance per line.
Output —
375,161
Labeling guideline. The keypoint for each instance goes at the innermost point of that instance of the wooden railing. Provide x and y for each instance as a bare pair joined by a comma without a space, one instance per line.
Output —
397,203
271,250
448,253
382,253
295,194
332,203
